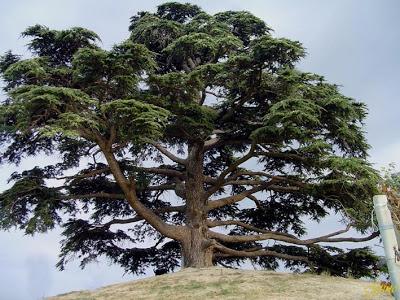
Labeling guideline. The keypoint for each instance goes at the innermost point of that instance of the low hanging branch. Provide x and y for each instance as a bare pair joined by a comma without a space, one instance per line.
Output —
228,252
288,239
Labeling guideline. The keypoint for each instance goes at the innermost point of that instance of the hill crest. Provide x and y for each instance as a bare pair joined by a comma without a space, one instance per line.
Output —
222,283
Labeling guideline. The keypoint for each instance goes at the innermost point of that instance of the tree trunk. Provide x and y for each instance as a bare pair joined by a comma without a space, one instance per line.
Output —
197,250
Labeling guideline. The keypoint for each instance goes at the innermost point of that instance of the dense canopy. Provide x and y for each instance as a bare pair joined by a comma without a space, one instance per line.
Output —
195,138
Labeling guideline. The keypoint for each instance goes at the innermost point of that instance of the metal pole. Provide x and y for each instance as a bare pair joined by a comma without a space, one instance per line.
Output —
388,236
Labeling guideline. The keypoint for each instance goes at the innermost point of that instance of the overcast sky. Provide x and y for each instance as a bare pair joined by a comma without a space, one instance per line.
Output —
352,43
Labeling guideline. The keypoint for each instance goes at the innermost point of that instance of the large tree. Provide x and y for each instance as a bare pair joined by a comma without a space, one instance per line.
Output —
195,138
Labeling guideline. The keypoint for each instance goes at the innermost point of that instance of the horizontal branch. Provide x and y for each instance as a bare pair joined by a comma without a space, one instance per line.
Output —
211,143
162,187
277,237
94,195
239,197
121,221
210,180
84,175
163,171
166,209
244,182
214,94
280,178
216,223
153,170
228,252
281,155
286,189
167,153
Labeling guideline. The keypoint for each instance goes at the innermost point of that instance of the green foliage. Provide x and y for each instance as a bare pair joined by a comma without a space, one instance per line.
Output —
29,71
59,46
355,263
276,53
112,73
7,60
243,24
193,120
190,46
178,12
31,205
155,33
136,120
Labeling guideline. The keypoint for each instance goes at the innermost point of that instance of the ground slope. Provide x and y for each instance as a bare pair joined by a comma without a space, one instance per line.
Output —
219,283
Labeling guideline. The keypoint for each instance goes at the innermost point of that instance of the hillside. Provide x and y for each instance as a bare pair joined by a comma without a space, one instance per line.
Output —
219,283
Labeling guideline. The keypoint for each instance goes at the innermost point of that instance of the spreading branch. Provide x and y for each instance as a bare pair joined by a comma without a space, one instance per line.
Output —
238,197
228,252
128,187
278,237
216,223
163,171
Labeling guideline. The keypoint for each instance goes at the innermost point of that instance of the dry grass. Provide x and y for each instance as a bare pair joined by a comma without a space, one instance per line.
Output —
219,283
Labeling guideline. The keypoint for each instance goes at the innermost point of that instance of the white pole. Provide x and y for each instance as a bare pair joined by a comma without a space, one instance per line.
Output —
388,236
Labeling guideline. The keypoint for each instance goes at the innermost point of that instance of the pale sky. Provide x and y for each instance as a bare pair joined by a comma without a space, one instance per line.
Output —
354,43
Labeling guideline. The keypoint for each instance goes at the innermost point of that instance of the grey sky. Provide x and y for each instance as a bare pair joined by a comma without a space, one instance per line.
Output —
353,43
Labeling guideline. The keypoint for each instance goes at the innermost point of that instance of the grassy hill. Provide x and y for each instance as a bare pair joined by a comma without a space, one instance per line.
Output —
220,283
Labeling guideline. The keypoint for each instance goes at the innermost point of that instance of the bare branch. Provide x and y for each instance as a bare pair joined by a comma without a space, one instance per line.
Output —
239,197
286,189
244,182
263,174
166,209
162,187
121,221
255,200
215,94
94,195
290,156
291,240
347,239
163,171
215,223
84,175
228,252
164,151
211,143
128,187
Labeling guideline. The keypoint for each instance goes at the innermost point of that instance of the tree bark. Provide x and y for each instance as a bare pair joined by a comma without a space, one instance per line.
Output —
197,251
197,247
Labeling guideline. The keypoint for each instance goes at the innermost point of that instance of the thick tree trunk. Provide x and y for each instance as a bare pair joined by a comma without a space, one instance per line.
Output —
197,248
196,251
